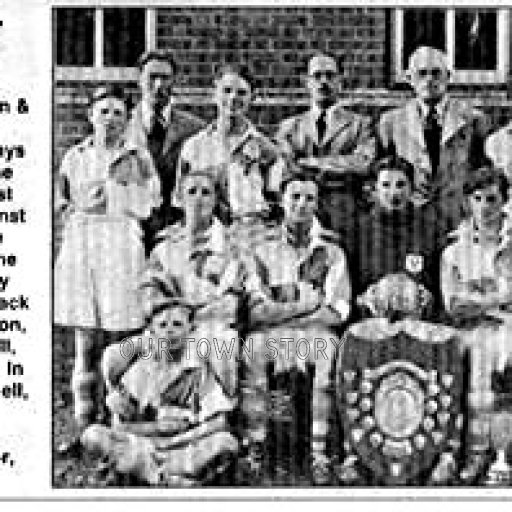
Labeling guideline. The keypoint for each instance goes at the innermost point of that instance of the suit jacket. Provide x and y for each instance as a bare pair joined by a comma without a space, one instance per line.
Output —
462,147
181,126
349,138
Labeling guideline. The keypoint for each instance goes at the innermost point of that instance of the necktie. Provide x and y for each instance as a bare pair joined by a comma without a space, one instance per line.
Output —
321,125
156,136
432,132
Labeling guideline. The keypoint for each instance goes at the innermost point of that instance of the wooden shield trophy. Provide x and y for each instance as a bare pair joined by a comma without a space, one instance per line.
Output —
400,398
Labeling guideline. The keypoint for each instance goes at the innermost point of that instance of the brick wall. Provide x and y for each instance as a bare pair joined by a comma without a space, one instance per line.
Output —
276,43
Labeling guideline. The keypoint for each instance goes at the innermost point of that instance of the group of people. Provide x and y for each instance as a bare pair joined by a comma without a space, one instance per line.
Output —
181,230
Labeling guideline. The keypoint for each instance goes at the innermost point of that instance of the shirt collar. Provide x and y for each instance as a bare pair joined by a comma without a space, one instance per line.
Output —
212,128
233,142
316,111
148,115
440,107
314,236
469,233
88,142
212,238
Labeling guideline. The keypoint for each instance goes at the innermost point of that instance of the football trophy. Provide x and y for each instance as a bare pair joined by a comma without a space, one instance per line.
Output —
400,394
500,472
400,390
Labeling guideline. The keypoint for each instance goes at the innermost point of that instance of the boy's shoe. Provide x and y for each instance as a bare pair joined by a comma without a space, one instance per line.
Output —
445,472
253,463
476,467
321,469
346,472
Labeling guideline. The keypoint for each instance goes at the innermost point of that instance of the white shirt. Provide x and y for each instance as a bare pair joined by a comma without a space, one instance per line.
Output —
226,158
439,107
471,260
282,263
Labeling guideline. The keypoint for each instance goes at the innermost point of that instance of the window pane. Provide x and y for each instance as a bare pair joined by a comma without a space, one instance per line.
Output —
124,36
75,37
423,27
476,39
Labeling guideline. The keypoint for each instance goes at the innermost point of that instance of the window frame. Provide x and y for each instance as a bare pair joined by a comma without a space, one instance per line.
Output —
469,77
98,72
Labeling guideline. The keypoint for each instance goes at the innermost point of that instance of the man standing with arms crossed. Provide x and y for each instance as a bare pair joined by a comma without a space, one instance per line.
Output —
442,137
338,144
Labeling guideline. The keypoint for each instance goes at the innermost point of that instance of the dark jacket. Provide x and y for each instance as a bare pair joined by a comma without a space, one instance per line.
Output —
407,242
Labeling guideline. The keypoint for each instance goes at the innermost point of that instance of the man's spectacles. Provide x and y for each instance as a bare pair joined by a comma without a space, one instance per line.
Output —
435,73
317,75
241,93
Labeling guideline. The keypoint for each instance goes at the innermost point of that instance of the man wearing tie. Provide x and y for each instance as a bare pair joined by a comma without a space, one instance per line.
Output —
338,144
442,137
161,129
498,148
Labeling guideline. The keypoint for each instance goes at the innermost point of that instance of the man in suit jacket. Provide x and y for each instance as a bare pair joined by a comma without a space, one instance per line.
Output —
498,148
160,128
442,137
337,143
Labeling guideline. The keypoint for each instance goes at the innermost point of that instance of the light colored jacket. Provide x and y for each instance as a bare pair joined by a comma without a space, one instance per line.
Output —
348,140
463,131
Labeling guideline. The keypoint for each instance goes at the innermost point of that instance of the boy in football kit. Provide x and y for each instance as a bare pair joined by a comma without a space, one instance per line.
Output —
107,188
244,162
476,282
299,295
396,248
196,261
160,389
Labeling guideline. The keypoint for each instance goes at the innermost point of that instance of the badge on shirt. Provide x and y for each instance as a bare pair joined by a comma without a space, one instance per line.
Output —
414,263
251,150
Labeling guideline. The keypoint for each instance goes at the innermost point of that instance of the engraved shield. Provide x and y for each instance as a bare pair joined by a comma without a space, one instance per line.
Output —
400,400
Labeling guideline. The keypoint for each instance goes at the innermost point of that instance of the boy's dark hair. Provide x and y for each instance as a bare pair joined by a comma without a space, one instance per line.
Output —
106,91
240,69
298,173
168,304
392,162
485,177
161,55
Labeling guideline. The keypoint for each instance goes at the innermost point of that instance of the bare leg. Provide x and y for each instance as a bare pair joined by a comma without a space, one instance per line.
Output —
85,377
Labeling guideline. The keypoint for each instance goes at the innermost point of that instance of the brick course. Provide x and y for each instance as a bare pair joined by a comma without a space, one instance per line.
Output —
285,38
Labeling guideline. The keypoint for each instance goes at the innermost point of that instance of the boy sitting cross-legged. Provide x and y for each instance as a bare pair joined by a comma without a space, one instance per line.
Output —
162,395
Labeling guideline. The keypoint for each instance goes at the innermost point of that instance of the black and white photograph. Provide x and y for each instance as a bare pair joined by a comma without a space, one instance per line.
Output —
281,246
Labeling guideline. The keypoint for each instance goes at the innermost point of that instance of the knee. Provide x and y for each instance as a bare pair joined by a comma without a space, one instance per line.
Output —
113,363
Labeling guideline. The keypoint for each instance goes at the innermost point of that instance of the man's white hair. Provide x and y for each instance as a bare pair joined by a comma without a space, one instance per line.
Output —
427,55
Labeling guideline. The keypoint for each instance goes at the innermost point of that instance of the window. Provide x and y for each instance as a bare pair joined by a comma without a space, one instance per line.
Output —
475,40
75,37
124,36
101,43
